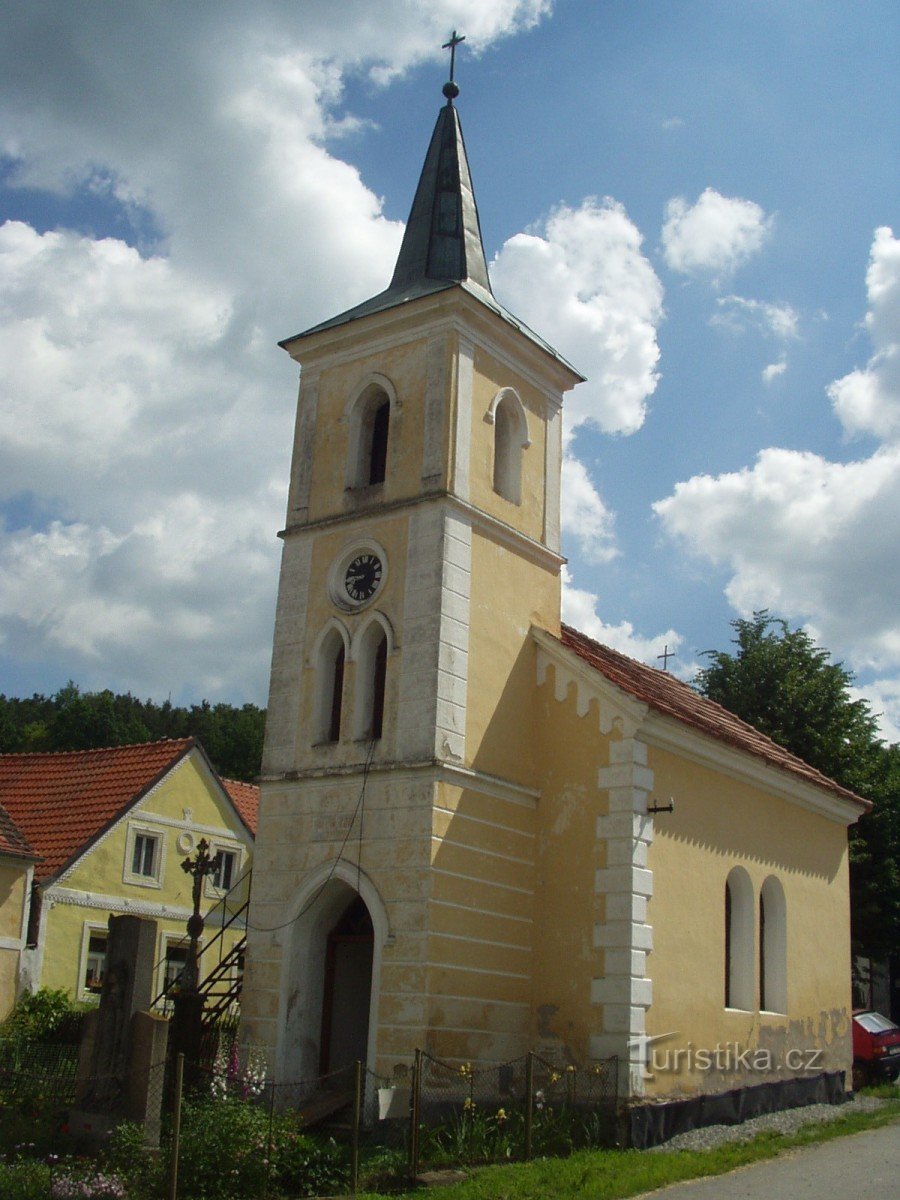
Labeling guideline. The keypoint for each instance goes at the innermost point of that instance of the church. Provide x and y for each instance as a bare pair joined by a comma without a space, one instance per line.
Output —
481,832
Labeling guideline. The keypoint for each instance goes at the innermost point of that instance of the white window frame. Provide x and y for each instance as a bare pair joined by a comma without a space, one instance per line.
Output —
138,829
88,930
236,850
166,940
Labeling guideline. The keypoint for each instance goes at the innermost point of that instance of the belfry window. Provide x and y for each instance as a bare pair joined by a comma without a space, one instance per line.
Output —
329,660
510,442
370,422
371,677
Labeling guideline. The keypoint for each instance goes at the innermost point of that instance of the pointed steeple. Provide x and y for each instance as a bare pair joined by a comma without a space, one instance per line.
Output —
442,242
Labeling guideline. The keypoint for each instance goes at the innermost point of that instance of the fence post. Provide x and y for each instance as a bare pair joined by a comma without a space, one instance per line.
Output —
414,1115
570,1086
172,1192
270,1137
529,1101
357,1115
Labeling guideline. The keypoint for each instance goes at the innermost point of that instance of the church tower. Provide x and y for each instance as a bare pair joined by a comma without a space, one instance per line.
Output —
394,878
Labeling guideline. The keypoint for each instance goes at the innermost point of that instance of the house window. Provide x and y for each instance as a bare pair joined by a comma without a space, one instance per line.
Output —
144,855
739,939
772,947
175,962
95,963
224,875
510,441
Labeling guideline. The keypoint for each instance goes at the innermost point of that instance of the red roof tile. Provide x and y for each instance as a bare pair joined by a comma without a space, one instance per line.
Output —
63,801
11,841
668,695
245,798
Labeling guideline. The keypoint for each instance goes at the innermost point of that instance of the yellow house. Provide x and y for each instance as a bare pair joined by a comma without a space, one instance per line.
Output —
467,839
113,827
17,861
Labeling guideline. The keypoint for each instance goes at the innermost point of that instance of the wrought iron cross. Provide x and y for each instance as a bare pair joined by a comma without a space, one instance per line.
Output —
451,46
666,655
199,867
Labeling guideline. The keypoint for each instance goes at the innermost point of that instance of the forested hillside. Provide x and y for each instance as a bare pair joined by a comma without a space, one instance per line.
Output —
76,720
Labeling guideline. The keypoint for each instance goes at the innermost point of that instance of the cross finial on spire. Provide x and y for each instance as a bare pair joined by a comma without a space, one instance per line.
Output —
666,655
451,91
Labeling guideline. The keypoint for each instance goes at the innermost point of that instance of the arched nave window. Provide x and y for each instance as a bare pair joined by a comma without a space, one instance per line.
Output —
739,940
371,648
772,947
370,421
330,657
507,415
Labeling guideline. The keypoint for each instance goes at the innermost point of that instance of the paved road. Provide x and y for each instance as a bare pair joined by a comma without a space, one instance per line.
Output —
864,1166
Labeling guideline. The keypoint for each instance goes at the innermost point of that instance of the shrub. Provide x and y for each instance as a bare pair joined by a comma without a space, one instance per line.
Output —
47,1015
24,1179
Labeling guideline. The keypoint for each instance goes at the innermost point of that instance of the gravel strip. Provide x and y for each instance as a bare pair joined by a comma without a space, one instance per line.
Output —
787,1121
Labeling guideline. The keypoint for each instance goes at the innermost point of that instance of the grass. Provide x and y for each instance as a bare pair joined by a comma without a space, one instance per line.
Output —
616,1174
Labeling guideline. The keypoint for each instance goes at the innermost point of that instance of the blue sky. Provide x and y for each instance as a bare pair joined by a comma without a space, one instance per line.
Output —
693,201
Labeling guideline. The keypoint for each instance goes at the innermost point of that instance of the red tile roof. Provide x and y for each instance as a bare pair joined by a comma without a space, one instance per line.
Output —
11,841
245,798
668,695
63,801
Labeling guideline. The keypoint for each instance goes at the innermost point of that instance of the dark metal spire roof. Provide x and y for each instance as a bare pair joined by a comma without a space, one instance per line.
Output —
442,241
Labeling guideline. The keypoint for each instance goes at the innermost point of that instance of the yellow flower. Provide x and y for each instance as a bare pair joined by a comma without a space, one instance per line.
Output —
570,1068
501,1115
554,1078
468,1104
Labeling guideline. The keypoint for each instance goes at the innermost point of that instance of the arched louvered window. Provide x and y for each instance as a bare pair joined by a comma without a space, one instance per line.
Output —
510,442
330,659
369,437
371,679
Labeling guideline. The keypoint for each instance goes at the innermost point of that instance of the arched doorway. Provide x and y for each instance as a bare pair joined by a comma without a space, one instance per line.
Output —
347,988
330,980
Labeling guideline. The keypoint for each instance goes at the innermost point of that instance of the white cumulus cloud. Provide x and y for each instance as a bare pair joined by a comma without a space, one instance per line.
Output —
868,400
713,236
813,540
579,609
145,413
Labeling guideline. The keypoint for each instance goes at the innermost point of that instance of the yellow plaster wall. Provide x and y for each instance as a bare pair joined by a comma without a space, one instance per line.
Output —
13,878
100,872
509,594
719,823
570,749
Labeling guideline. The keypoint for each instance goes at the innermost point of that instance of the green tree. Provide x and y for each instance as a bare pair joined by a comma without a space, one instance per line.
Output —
781,682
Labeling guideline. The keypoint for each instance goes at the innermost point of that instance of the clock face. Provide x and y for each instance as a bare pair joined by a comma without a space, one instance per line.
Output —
362,577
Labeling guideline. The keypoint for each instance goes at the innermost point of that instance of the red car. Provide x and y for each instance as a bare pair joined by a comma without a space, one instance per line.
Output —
876,1048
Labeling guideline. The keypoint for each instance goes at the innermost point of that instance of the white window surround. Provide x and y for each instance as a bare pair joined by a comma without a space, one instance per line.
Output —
773,948
88,930
742,940
365,645
359,415
166,942
507,414
333,634
138,829
237,853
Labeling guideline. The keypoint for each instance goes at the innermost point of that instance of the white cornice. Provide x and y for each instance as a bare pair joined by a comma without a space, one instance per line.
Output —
530,549
434,771
453,308
666,733
616,706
